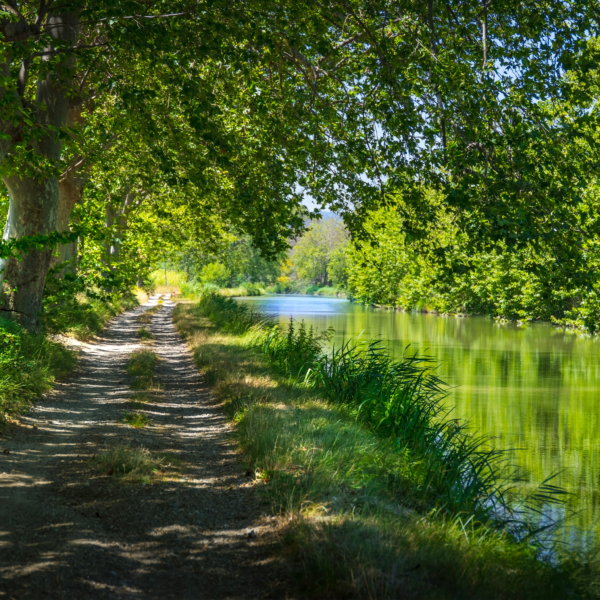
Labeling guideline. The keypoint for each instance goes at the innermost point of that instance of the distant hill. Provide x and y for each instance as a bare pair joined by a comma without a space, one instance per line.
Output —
326,215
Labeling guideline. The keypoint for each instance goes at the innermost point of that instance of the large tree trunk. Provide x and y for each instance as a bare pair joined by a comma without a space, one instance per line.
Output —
34,202
33,211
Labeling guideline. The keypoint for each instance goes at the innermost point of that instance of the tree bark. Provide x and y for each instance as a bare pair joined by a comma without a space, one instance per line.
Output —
70,193
34,202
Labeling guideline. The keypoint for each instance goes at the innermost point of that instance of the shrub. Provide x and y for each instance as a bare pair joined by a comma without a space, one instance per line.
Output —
215,273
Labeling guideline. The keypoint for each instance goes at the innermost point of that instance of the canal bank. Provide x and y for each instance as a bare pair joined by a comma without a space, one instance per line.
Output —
534,390
354,527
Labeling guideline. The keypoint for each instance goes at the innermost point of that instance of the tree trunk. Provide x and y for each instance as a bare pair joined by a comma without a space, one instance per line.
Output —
70,193
34,202
33,210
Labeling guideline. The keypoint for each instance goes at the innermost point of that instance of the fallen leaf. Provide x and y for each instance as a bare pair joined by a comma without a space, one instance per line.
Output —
6,451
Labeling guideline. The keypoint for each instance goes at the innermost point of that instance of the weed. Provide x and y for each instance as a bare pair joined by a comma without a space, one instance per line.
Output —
146,316
141,367
144,334
131,464
136,419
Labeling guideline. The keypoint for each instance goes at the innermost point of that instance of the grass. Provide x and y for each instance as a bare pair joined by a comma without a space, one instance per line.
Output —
136,419
82,317
140,367
125,463
146,317
363,521
144,334
29,365
195,290
330,291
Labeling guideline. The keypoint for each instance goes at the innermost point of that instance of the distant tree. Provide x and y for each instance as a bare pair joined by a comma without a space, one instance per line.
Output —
215,273
313,254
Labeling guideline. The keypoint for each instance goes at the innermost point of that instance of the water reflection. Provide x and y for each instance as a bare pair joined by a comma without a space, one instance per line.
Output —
532,388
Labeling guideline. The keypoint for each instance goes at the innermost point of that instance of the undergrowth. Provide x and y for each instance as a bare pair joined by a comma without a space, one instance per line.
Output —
29,366
82,316
386,497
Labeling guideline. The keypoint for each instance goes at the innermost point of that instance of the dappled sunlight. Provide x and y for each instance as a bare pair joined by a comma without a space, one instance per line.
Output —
74,525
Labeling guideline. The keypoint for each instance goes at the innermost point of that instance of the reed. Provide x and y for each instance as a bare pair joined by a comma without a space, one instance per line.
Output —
402,401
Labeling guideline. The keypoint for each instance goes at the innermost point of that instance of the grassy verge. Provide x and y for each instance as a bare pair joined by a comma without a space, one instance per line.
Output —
82,317
371,506
29,366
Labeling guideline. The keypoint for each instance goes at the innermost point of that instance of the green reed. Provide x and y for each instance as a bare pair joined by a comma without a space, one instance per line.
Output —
400,400
230,315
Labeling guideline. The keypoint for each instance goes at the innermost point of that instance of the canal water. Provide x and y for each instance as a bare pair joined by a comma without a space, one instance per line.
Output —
535,390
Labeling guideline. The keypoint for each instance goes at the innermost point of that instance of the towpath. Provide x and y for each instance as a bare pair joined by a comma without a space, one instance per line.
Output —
70,531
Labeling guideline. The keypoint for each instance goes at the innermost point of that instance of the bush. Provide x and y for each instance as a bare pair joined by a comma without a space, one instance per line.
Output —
215,273
313,288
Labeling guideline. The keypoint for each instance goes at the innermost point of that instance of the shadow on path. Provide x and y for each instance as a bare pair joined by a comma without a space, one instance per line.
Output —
68,531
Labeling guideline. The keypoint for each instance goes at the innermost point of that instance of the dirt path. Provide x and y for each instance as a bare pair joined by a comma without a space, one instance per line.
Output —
69,531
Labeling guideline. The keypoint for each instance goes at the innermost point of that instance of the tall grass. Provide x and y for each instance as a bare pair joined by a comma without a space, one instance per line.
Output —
360,523
82,316
227,313
401,401
28,367
197,289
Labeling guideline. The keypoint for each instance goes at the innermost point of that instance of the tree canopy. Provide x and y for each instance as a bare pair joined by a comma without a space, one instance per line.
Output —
134,128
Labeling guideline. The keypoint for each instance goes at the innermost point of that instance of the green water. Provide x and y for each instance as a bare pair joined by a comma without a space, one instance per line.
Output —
534,389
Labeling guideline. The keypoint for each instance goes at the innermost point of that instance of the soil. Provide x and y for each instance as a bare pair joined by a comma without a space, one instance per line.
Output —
68,530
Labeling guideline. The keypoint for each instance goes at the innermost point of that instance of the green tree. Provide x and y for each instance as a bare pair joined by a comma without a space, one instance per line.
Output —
215,273
313,253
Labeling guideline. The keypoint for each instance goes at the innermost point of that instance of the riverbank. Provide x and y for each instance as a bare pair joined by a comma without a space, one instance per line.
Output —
360,522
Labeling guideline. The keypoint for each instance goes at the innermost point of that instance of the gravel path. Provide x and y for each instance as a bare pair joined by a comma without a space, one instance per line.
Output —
69,531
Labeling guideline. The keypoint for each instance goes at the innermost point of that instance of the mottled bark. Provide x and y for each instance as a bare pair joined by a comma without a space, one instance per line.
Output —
34,202
70,192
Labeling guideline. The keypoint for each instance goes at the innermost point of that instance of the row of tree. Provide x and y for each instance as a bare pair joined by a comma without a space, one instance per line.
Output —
128,129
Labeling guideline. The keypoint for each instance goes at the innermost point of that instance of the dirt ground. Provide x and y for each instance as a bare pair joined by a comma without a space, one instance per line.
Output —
68,530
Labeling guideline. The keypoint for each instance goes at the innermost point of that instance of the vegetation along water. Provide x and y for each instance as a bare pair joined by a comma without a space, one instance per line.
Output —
534,390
